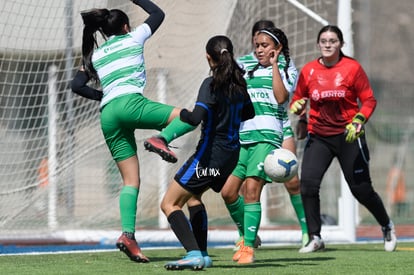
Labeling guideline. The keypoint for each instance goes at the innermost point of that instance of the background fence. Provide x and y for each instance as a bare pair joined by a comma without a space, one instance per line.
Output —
85,183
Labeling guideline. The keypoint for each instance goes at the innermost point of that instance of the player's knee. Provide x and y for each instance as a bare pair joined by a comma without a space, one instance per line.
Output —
363,191
309,188
251,197
166,207
229,195
289,144
293,186
163,207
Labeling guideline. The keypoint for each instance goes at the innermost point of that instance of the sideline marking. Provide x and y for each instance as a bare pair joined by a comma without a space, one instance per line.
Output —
405,248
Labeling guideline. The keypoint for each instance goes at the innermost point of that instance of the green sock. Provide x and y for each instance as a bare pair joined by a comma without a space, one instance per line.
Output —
252,216
128,208
236,210
175,129
300,212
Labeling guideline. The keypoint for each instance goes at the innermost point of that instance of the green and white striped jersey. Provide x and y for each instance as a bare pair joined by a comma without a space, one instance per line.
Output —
270,118
120,65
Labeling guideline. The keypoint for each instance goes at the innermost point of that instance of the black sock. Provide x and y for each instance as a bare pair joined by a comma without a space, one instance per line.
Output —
199,222
182,229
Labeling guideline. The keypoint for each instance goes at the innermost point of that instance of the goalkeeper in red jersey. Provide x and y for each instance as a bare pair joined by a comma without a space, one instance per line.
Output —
333,85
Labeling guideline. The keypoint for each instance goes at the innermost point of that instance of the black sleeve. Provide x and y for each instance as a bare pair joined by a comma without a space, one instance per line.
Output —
156,14
248,110
78,85
195,117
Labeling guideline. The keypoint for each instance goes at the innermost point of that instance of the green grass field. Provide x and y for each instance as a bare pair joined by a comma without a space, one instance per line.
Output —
336,259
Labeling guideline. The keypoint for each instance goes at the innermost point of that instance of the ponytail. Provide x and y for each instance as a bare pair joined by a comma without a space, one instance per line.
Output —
107,22
227,74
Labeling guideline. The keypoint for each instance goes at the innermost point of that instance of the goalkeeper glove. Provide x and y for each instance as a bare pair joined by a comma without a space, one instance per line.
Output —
354,129
298,106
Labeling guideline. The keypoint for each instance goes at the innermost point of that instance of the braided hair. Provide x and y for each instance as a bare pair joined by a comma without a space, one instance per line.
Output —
279,37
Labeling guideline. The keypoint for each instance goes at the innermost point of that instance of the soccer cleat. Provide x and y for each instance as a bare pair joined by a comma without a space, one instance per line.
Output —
208,262
240,242
159,146
238,253
305,239
194,260
246,255
315,244
390,239
131,249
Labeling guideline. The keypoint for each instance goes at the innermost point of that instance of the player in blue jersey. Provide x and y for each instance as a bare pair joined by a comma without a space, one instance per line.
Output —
118,66
222,104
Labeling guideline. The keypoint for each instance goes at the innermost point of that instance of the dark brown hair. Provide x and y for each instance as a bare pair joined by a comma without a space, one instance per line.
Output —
107,22
227,75
335,29
282,39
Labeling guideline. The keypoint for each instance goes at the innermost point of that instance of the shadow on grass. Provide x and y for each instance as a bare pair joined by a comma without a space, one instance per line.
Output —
277,262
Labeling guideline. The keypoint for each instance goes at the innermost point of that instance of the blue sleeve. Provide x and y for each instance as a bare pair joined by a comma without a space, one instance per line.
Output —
248,110
78,86
195,117
201,108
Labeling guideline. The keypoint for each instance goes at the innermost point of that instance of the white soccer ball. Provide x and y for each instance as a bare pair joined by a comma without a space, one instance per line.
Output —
281,165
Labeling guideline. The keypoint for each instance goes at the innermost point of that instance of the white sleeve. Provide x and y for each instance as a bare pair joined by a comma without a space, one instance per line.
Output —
290,84
141,33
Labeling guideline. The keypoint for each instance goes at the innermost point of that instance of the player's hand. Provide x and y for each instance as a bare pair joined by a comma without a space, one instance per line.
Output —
298,107
274,54
354,129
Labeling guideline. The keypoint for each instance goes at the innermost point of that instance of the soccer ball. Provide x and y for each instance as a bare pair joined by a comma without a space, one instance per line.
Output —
281,165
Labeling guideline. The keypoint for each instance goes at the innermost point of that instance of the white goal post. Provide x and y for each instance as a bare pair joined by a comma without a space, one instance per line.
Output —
348,217
57,179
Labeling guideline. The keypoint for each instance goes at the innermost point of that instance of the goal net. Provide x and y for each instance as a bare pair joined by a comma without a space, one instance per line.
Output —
57,178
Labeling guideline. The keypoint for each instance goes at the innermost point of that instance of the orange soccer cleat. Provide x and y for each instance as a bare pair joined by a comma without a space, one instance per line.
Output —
131,249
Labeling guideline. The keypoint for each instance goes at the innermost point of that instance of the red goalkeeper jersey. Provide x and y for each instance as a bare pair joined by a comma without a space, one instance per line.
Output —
335,95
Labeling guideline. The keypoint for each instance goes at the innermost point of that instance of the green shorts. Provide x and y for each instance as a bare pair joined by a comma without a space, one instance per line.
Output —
251,161
122,115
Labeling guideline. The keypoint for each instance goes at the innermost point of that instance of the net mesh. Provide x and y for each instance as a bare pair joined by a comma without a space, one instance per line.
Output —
39,34
36,35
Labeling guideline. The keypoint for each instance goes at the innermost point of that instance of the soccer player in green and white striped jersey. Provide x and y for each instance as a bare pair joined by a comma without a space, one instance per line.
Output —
259,89
289,74
118,65
271,78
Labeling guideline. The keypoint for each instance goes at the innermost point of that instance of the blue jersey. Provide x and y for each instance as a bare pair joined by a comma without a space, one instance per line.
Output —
218,148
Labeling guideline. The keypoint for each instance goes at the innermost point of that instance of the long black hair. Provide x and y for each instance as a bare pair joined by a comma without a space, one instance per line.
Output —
227,75
107,22
278,37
